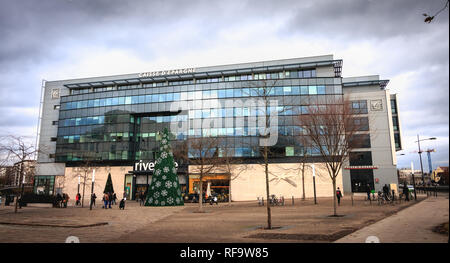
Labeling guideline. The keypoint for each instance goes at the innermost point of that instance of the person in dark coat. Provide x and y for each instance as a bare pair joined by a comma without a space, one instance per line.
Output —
368,190
406,191
114,198
386,191
122,204
109,200
93,197
338,195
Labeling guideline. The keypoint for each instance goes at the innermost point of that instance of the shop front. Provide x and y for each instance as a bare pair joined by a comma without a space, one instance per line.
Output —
138,180
217,184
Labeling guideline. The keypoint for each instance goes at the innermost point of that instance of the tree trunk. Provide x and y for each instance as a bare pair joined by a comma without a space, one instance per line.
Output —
303,181
200,196
334,196
84,185
269,214
20,187
229,193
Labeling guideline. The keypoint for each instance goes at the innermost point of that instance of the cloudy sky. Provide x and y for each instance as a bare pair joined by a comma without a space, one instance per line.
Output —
62,39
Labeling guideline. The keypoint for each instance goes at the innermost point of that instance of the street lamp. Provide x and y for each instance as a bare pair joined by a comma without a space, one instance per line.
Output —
420,155
314,182
92,188
414,182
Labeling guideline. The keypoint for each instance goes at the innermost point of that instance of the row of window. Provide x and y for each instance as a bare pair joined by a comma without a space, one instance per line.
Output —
199,95
261,76
231,152
193,114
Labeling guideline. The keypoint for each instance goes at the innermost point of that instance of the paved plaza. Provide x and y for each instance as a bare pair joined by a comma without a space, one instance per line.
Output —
241,222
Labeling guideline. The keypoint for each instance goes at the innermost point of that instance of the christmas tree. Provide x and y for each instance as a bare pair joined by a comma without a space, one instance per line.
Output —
109,186
164,189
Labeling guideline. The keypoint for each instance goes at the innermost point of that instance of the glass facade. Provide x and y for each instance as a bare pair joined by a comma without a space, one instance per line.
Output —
120,123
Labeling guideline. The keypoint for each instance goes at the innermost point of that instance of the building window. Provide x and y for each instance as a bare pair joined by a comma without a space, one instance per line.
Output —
360,158
360,178
395,123
53,139
394,106
360,124
44,185
398,145
360,141
56,107
359,106
54,122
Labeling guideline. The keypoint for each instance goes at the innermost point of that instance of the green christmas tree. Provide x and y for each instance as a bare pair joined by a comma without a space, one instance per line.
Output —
109,186
164,189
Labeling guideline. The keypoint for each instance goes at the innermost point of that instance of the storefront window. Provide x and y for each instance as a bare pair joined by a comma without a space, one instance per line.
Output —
44,185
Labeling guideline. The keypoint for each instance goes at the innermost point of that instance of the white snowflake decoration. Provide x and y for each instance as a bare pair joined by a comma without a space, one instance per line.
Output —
150,200
164,155
156,202
166,169
170,200
158,172
164,141
164,177
174,170
156,194
164,192
177,200
163,203
179,192
158,184
168,184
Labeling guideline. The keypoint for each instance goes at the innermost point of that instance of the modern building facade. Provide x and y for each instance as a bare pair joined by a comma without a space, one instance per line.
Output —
111,124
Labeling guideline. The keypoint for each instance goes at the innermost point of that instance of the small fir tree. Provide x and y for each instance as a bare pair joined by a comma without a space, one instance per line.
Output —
109,186
164,189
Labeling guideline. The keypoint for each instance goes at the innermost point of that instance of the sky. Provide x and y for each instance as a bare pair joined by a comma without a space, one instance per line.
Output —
63,39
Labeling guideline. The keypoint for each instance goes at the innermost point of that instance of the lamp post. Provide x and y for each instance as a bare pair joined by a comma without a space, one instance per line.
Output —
79,182
92,188
414,182
420,156
314,182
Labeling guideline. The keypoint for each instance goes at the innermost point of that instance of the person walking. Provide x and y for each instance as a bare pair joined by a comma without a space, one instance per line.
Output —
65,199
93,197
105,200
386,192
406,191
77,199
368,190
115,199
109,200
338,195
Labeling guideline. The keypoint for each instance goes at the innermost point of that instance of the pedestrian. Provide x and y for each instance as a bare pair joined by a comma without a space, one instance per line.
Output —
105,201
141,198
386,192
58,200
338,195
122,204
406,191
115,199
66,200
77,199
93,197
368,190
109,199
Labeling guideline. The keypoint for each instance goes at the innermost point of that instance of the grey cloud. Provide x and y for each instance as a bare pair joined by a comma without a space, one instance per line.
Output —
369,19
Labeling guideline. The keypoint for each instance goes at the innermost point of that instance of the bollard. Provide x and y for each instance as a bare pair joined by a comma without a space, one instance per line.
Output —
292,200
262,200
352,198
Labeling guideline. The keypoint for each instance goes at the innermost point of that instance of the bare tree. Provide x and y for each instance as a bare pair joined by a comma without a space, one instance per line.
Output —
16,149
203,156
331,133
267,110
84,173
429,18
